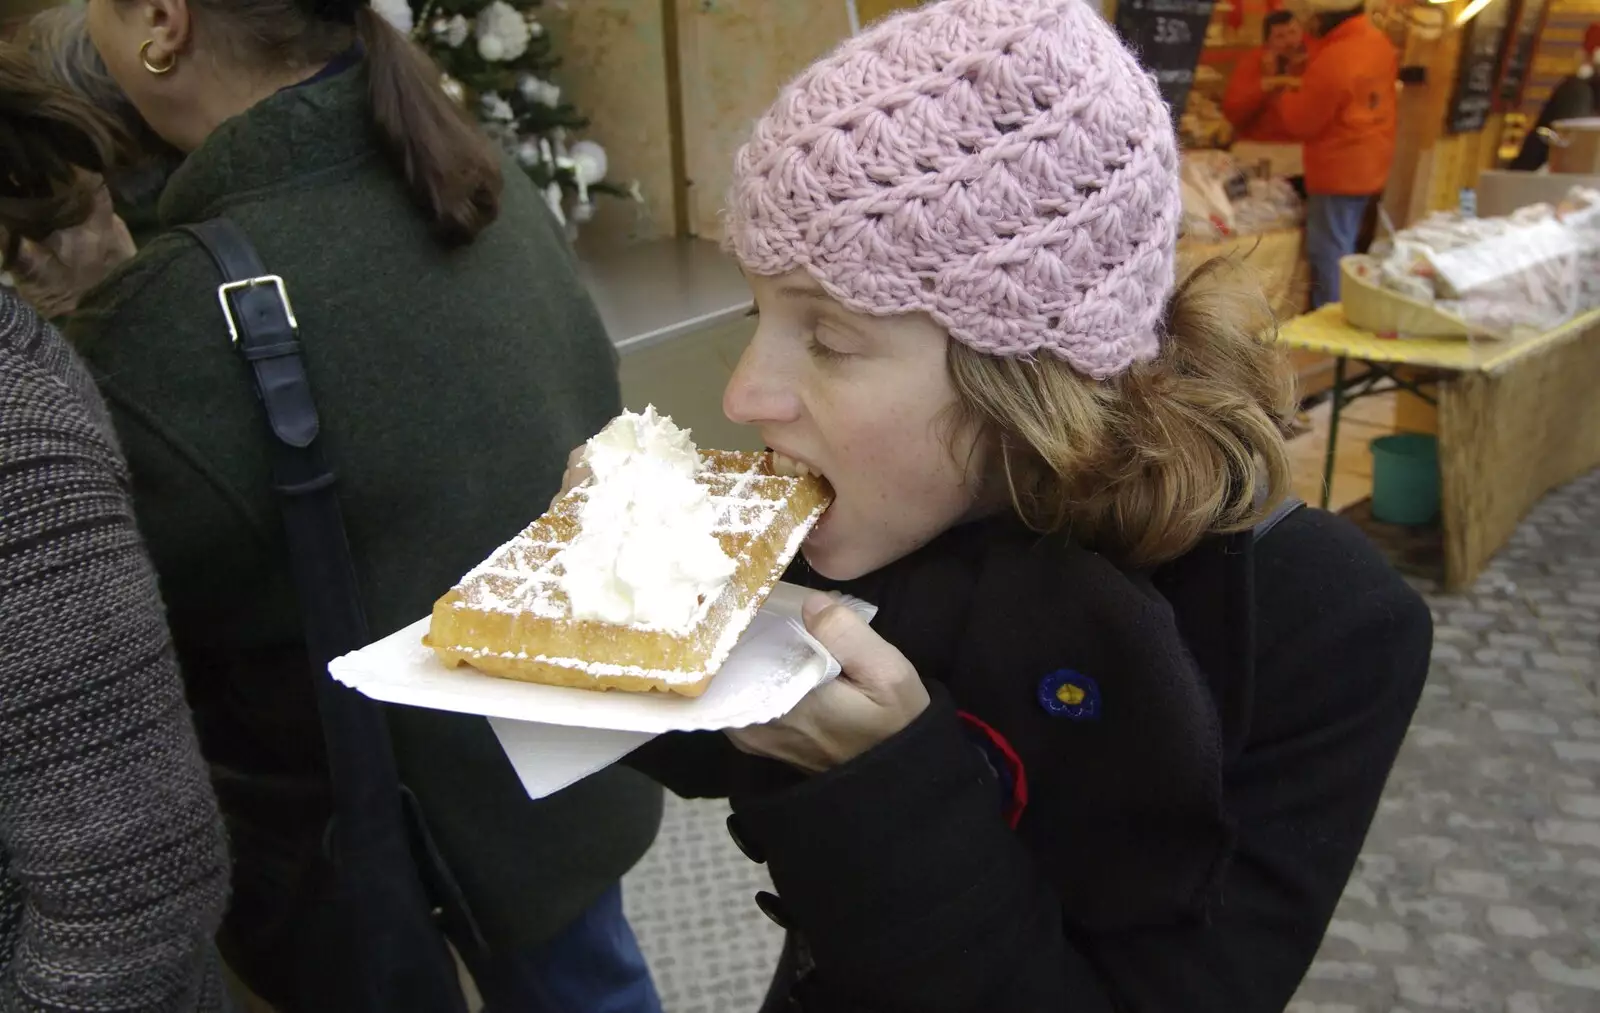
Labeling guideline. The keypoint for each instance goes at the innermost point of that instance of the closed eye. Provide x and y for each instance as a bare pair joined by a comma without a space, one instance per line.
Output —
821,351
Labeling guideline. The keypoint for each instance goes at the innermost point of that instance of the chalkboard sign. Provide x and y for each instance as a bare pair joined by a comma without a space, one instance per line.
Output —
1483,42
1167,35
1519,55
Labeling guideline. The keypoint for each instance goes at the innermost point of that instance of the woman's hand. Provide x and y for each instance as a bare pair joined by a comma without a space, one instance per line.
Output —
877,696
54,275
576,474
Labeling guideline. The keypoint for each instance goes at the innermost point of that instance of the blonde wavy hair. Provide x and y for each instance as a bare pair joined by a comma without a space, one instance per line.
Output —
1145,465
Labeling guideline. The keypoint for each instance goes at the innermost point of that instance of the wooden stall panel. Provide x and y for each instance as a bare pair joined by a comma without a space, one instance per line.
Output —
872,10
1412,192
684,378
1506,439
615,70
735,57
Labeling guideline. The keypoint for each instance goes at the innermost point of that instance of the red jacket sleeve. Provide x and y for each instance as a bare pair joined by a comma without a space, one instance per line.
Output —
1308,110
1243,101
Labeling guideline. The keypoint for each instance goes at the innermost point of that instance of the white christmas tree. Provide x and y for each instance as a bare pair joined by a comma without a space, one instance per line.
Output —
497,61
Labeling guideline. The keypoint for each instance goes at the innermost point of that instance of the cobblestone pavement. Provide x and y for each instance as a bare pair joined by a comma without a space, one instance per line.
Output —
1479,889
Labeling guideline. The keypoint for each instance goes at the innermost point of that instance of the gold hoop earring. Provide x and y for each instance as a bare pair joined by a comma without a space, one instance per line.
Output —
144,58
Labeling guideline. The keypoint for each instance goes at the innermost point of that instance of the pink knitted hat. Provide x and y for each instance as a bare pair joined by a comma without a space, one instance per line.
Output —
1002,165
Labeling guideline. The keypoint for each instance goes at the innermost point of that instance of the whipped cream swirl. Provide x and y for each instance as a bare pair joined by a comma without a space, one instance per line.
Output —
645,554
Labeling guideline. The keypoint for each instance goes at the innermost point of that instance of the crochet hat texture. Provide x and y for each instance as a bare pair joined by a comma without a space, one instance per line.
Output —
1004,166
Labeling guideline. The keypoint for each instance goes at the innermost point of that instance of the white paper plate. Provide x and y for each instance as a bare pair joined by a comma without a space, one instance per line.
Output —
548,758
555,735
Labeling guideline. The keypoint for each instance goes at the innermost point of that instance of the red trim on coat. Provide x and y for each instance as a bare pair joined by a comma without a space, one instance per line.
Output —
1019,773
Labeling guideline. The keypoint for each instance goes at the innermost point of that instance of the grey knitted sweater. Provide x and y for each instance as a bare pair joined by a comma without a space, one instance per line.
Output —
113,860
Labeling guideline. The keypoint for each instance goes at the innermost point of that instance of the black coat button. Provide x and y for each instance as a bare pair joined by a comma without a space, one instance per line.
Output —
749,850
771,905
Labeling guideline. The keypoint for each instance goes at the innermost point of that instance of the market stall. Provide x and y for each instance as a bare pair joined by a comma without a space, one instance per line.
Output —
1516,419
1239,198
1497,322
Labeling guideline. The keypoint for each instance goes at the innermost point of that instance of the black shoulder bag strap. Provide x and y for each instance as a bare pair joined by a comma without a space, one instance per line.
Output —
397,959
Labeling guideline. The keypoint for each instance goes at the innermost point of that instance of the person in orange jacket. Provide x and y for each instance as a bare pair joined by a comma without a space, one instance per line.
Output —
1347,112
1248,104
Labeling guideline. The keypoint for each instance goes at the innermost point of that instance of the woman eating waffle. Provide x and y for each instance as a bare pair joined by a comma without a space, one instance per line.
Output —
1115,738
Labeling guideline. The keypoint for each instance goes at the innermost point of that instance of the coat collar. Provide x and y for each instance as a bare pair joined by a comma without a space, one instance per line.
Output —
298,132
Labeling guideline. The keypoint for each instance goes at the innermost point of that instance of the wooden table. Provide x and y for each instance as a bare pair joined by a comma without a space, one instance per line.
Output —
1517,418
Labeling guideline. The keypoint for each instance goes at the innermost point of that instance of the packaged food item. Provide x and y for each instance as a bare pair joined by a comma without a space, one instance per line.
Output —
1221,199
1528,271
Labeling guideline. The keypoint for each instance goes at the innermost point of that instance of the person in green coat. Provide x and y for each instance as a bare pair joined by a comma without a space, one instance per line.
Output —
455,359
58,40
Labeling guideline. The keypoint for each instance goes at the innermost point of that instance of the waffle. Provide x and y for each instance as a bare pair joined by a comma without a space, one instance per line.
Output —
510,618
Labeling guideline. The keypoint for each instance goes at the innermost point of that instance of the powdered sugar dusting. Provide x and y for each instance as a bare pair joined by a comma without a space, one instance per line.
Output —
719,654
523,577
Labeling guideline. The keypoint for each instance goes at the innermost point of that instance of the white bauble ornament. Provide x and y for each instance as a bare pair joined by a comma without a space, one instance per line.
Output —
456,31
503,23
589,162
528,154
535,90
453,88
497,108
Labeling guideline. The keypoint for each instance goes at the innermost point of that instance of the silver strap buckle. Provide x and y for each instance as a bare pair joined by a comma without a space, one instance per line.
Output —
266,279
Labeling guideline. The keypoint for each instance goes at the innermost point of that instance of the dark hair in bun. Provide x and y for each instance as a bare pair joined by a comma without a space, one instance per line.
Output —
49,137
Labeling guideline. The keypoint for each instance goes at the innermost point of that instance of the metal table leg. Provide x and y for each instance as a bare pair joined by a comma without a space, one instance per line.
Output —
1336,406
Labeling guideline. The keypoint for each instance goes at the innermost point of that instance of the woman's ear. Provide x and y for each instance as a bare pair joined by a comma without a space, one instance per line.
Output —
169,27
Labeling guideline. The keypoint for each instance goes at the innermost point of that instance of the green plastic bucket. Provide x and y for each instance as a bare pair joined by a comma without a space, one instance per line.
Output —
1405,479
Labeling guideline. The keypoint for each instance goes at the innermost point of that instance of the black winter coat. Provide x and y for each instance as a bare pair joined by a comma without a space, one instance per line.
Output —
1133,793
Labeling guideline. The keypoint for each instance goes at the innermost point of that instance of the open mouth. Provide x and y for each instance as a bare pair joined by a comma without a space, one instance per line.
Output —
791,467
